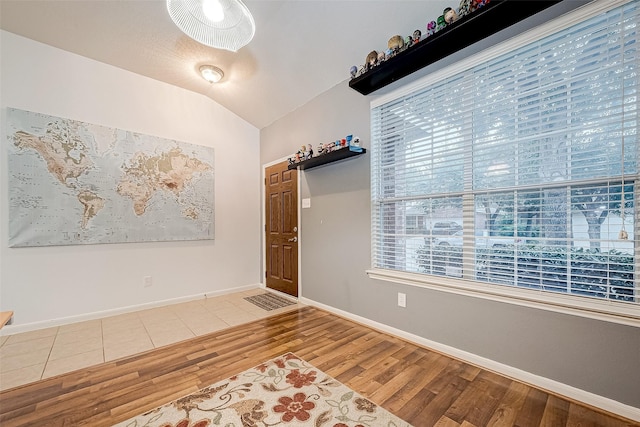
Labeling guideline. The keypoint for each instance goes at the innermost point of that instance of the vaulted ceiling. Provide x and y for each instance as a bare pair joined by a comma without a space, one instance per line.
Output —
301,47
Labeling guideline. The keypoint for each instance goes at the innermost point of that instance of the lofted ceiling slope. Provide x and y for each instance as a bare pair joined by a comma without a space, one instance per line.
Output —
301,48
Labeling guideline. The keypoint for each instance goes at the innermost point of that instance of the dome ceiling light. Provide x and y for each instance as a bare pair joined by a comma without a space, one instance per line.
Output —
221,24
211,74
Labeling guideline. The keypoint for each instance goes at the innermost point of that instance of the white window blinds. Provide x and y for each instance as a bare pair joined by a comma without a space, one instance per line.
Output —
520,171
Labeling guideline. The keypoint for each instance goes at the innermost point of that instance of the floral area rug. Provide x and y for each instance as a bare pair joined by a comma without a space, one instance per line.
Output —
286,391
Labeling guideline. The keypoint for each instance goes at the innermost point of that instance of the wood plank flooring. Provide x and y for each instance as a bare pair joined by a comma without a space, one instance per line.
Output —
423,387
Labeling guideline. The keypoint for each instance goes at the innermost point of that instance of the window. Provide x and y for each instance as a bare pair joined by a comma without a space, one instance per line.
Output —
523,169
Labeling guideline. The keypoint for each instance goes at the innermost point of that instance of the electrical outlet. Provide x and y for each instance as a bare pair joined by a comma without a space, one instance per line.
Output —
402,299
147,281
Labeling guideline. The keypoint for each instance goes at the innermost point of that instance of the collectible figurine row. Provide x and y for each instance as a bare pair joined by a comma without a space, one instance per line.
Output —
397,43
306,151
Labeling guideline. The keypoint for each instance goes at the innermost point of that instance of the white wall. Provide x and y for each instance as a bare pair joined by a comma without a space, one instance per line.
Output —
50,284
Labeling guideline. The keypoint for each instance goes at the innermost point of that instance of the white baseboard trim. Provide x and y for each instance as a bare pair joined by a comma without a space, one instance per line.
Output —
28,327
547,384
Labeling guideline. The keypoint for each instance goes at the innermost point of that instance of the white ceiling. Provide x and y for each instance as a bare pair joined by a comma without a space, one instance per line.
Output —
301,47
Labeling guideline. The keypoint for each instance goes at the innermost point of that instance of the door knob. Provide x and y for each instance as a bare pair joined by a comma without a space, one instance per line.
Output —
293,239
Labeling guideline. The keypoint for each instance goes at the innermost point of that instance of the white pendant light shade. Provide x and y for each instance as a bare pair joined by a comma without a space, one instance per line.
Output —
222,24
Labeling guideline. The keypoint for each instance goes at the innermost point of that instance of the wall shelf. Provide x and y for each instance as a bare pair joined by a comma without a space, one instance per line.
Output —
323,159
488,20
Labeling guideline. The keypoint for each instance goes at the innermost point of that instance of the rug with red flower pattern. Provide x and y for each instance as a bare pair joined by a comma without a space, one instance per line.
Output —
285,391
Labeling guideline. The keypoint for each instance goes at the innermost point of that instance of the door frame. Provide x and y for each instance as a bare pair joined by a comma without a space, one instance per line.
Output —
263,234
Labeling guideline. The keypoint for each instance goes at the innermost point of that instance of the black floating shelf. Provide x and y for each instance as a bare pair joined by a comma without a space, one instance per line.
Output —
323,159
471,28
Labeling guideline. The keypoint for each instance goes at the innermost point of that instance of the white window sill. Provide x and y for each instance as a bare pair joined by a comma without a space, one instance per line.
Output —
608,311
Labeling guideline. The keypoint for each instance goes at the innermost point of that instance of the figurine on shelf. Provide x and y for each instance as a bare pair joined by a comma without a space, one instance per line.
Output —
450,15
309,153
440,23
290,159
395,44
353,71
301,155
408,41
371,61
477,4
431,28
416,36
465,7
355,141
381,57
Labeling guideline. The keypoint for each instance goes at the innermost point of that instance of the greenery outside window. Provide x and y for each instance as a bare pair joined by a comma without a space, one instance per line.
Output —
520,171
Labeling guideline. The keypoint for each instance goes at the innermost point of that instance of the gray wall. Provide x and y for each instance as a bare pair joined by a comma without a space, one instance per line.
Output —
592,355
595,356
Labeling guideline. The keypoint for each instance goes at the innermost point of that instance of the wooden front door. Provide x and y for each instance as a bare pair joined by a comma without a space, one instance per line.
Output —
281,205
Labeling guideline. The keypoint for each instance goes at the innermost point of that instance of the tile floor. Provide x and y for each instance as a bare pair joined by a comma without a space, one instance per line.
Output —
31,356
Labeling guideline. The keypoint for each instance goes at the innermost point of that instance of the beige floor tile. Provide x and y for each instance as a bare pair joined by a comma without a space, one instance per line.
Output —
245,305
170,337
124,334
176,323
187,306
22,347
164,316
20,376
72,363
91,325
121,319
122,328
117,351
75,346
80,335
165,327
203,321
239,318
229,310
194,316
36,357
208,328
124,338
218,304
193,313
62,350
33,335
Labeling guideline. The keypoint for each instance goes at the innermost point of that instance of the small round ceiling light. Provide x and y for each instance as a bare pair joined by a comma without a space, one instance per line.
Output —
222,24
211,74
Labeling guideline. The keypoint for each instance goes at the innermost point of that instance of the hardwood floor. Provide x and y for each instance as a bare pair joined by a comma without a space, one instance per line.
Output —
423,387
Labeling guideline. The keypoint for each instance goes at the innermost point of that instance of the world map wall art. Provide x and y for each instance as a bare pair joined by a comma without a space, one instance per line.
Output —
74,183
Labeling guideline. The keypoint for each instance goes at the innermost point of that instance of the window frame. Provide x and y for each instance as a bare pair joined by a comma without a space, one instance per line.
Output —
607,310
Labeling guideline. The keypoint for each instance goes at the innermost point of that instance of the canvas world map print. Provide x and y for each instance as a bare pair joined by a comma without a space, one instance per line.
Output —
74,183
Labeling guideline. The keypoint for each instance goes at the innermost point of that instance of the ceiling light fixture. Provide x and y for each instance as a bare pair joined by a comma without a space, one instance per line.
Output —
222,24
211,74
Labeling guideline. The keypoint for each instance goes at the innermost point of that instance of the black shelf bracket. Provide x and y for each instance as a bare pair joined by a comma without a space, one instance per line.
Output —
469,29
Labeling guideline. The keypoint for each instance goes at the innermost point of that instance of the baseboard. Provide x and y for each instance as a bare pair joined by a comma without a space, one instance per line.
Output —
28,327
555,387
